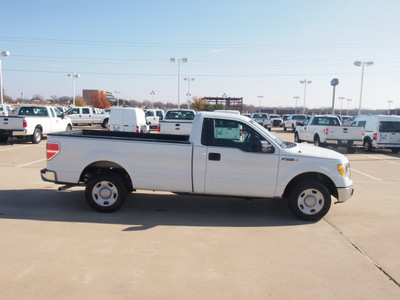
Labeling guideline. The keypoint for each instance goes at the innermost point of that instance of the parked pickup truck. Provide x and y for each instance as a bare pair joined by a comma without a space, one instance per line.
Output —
87,116
6,110
293,120
33,122
324,130
225,155
177,121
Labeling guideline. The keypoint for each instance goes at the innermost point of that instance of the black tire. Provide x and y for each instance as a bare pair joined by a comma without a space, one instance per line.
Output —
105,123
309,200
317,141
293,128
367,146
106,193
296,138
284,128
395,150
69,127
37,136
351,149
3,138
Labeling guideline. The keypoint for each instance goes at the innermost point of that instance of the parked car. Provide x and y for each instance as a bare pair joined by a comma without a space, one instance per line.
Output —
177,121
128,119
293,121
33,121
113,164
87,116
380,132
276,120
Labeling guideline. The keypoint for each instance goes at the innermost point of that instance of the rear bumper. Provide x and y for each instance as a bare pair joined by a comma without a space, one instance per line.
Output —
345,193
48,176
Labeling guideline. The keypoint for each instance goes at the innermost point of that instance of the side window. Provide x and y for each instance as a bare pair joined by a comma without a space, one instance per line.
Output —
85,111
234,134
74,111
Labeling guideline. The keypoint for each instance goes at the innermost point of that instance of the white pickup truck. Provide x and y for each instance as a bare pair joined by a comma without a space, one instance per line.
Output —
225,155
323,130
177,121
87,116
33,121
6,110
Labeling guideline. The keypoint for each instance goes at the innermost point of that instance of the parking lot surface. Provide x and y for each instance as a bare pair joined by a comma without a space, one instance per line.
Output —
164,246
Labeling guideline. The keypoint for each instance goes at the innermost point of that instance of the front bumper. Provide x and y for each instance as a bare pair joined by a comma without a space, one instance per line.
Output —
48,176
345,193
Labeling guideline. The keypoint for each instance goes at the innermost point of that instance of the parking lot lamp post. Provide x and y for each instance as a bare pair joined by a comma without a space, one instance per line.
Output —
341,103
152,93
117,93
3,53
362,64
348,105
305,82
188,79
259,107
389,101
295,107
73,76
179,60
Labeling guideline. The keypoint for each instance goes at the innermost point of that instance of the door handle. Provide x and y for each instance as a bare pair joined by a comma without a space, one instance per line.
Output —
214,156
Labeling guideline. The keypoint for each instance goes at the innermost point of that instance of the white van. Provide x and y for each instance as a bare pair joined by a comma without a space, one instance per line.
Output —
380,132
128,119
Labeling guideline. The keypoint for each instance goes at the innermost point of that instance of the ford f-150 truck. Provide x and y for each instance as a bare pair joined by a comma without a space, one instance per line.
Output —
225,155
324,130
33,121
177,121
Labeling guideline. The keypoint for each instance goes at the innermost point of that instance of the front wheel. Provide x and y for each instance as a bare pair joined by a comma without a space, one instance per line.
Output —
105,123
309,200
105,193
367,145
296,138
317,141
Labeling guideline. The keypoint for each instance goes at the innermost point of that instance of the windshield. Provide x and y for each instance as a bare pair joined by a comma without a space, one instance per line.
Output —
269,134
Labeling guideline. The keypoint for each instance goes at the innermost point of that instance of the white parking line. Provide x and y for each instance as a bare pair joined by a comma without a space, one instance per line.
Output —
377,179
15,148
31,163
392,162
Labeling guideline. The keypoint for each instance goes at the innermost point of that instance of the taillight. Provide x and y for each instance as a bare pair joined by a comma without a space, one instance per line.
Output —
363,132
108,127
326,131
137,129
52,149
24,123
158,128
375,136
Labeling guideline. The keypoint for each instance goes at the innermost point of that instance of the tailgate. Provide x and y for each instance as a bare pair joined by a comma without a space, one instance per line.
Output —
344,133
12,123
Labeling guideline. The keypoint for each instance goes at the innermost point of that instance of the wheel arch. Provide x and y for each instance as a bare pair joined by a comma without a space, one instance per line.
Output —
107,167
312,176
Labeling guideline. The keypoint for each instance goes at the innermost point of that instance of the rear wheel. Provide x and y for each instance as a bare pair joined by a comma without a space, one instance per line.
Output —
69,127
37,136
395,150
309,200
367,146
106,193
317,141
296,138
105,123
3,138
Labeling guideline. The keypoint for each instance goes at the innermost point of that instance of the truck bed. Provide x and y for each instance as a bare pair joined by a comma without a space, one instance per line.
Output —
121,135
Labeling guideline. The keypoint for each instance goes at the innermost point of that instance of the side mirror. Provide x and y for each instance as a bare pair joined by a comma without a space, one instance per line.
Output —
300,124
265,147
62,115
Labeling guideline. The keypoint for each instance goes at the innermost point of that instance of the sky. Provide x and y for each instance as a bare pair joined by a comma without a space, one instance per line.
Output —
238,48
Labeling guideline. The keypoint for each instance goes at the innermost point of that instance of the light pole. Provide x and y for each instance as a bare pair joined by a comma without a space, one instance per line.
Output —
362,64
152,98
188,79
179,60
295,107
224,96
389,101
117,92
348,105
341,103
73,76
305,82
3,53
259,107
